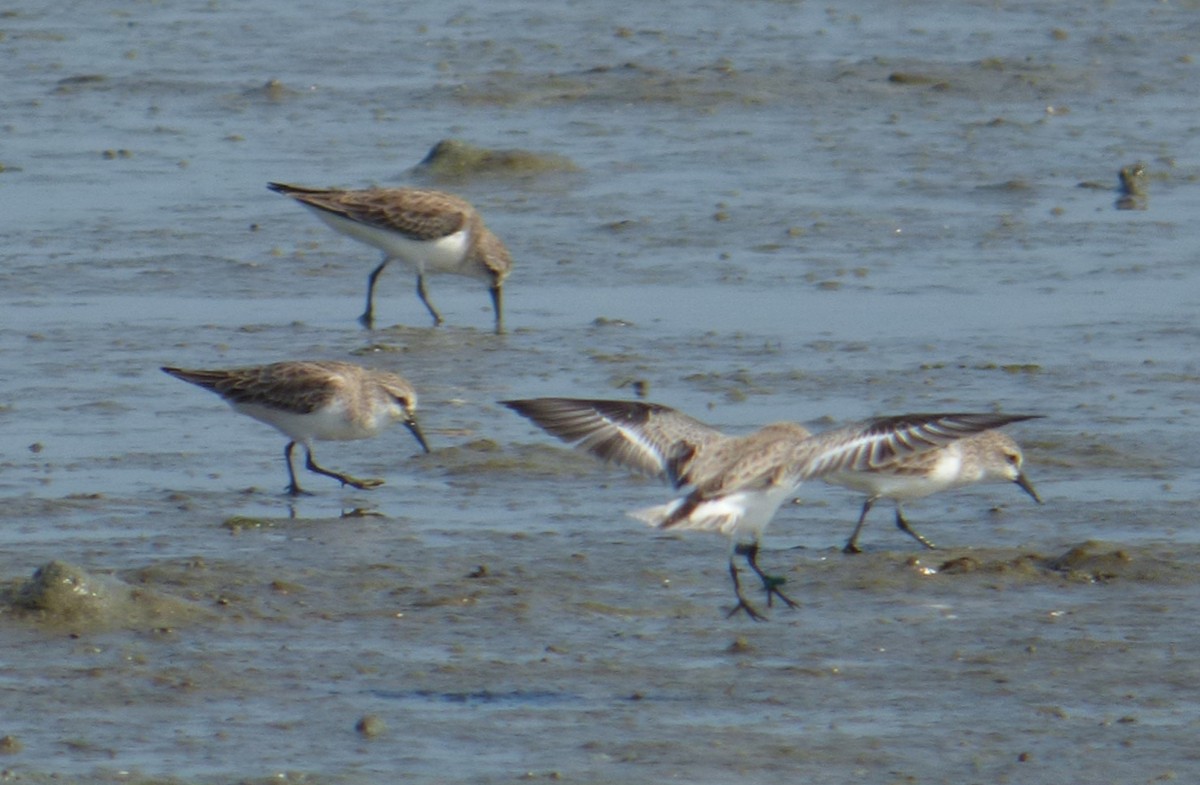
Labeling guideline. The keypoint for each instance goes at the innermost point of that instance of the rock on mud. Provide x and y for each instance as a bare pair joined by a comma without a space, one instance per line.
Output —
60,593
452,159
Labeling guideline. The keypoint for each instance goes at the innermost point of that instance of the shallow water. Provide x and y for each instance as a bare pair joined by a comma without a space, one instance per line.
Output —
782,211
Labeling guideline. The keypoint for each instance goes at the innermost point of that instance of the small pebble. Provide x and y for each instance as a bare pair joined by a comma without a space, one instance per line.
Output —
370,726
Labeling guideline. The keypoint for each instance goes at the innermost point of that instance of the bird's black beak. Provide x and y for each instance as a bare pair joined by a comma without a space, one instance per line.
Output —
1027,486
412,425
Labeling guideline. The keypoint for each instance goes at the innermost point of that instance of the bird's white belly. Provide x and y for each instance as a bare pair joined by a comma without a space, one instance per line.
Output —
884,484
331,423
443,255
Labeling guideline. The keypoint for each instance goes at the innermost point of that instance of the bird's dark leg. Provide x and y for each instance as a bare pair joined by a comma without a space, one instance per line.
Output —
344,478
771,583
368,316
293,488
903,526
437,317
852,543
497,306
742,603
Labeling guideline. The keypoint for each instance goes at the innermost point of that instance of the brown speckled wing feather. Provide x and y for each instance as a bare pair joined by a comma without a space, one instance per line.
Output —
751,462
645,437
272,386
417,214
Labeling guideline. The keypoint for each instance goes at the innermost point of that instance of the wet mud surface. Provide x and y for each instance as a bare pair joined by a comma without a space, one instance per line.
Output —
749,212
993,659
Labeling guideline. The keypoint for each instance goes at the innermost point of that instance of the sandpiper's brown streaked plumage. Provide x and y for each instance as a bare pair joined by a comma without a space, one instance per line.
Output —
430,231
739,482
315,400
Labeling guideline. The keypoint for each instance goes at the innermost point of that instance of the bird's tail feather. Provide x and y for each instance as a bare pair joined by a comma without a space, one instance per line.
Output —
656,516
705,516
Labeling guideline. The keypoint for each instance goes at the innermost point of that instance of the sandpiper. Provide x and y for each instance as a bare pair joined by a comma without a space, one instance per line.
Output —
315,400
739,482
430,231
990,456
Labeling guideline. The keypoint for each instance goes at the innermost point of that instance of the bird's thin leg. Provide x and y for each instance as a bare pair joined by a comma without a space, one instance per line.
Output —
437,317
293,488
852,543
497,306
742,603
903,526
771,583
344,478
368,316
